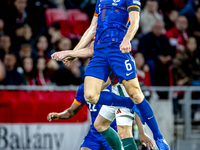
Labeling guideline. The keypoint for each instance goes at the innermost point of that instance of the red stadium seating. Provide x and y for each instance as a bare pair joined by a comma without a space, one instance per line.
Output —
76,15
80,27
54,15
67,29
72,26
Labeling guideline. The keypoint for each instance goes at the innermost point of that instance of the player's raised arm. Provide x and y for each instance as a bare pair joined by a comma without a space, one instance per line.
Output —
90,32
133,8
68,113
145,140
82,53
88,35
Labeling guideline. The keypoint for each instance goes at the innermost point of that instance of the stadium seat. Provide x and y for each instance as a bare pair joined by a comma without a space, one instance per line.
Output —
80,27
54,15
67,29
76,15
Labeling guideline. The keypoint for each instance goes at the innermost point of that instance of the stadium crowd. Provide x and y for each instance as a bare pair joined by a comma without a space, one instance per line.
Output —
166,45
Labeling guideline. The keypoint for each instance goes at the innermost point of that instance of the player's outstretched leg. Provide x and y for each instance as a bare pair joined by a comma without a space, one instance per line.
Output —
93,94
135,93
110,135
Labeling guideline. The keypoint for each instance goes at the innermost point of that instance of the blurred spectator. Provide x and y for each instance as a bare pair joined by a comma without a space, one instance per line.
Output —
28,33
36,11
5,45
25,51
157,53
149,15
194,25
22,35
190,9
41,47
170,19
67,75
142,70
64,44
29,77
186,66
2,71
178,35
16,16
54,32
1,27
41,66
12,76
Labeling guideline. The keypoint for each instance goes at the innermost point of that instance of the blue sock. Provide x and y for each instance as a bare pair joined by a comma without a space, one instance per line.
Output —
148,116
111,99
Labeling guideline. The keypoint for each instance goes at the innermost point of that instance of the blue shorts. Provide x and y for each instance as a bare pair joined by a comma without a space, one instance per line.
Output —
95,141
110,59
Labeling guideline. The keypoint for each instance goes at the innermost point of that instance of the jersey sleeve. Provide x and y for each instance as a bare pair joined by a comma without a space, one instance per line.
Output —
133,5
96,13
79,100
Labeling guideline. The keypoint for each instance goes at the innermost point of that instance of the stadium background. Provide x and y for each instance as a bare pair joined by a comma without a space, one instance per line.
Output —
166,50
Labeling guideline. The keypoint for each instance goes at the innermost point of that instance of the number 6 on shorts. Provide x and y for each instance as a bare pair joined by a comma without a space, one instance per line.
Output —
128,65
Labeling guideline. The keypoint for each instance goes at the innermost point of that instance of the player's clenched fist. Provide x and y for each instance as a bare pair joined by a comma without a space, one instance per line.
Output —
52,116
125,46
59,55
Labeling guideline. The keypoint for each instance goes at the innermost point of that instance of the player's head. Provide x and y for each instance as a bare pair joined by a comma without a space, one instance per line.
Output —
158,28
181,23
20,5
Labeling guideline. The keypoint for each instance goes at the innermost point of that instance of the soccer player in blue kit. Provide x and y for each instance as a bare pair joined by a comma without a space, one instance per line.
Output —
93,140
113,33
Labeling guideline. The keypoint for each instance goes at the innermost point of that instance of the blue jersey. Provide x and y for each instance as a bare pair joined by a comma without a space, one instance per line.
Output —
113,21
94,109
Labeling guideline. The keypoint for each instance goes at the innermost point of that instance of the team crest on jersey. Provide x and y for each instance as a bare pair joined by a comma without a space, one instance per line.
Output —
136,2
115,2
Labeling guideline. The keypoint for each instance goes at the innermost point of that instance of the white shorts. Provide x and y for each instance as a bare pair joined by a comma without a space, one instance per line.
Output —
123,115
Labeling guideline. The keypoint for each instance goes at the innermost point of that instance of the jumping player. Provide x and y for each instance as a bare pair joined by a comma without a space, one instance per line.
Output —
110,26
108,113
94,140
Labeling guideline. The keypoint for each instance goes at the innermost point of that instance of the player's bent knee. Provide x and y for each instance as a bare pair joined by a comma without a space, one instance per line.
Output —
137,97
98,126
91,98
